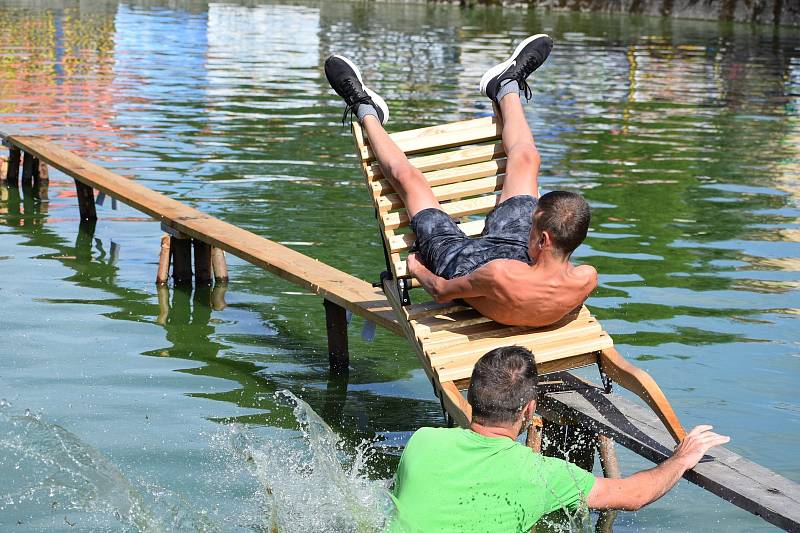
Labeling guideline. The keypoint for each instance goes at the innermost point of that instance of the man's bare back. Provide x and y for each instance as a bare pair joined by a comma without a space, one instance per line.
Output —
515,293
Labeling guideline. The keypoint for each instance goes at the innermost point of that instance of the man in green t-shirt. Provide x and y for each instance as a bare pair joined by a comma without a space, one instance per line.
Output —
482,479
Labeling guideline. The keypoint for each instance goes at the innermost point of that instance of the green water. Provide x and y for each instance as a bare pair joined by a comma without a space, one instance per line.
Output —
684,137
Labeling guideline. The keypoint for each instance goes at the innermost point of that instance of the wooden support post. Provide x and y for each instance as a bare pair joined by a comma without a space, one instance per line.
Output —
12,171
41,178
163,304
219,265
533,439
85,201
569,442
162,276
202,263
336,326
218,297
28,162
181,260
608,460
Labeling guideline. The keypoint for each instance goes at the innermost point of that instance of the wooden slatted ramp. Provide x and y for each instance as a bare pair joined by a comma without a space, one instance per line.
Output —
464,162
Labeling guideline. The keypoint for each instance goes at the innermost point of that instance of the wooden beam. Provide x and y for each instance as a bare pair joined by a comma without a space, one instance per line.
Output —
85,200
181,251
12,170
202,263
219,265
336,327
162,276
28,162
728,475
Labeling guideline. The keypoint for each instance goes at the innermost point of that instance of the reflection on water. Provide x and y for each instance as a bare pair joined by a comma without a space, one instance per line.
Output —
683,135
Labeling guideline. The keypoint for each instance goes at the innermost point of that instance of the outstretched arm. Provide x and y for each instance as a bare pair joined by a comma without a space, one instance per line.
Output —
442,290
636,491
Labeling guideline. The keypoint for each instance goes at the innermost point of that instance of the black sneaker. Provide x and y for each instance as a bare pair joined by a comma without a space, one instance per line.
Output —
345,79
529,55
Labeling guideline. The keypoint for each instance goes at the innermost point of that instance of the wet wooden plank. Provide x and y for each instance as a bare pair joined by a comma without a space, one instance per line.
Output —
354,294
743,483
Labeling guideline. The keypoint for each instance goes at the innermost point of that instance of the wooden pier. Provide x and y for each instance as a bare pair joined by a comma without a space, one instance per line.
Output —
566,401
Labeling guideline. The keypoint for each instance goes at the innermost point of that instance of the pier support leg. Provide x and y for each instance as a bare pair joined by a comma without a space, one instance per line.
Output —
12,170
218,297
608,460
219,265
28,162
181,260
533,439
336,326
569,442
162,276
41,179
202,263
163,304
85,201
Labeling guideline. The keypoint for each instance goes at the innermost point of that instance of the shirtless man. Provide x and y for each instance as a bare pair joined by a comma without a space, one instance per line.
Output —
518,271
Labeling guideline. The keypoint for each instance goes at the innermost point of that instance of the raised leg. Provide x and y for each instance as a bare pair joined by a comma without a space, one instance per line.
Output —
522,167
406,180
640,383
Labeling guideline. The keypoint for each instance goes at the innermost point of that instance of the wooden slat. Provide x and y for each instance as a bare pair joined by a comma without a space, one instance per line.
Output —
453,191
455,209
381,187
459,319
484,130
450,159
429,132
347,291
463,368
449,346
471,330
431,308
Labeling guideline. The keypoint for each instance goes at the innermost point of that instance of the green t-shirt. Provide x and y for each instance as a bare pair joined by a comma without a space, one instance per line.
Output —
458,480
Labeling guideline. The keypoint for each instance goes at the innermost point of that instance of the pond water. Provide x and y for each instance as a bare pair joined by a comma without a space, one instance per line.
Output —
684,136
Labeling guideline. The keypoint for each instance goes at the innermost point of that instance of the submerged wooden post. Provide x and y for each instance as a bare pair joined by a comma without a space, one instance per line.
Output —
162,276
336,326
12,170
219,265
163,304
85,201
608,460
181,260
28,162
202,263
218,297
41,178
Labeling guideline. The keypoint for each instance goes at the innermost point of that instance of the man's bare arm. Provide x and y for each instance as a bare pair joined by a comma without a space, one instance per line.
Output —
636,491
442,290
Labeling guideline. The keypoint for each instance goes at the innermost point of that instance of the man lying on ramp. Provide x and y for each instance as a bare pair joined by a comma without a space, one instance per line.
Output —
518,271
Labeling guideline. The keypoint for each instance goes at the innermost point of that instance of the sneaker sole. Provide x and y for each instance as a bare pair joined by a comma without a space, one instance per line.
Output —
498,69
372,94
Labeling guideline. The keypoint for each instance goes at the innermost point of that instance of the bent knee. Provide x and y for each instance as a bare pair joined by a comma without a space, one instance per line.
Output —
407,174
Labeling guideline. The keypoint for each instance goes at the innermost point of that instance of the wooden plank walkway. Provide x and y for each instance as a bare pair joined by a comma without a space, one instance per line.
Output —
730,476
332,284
743,483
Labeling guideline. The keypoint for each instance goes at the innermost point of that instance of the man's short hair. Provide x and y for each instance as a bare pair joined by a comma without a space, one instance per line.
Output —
503,382
565,216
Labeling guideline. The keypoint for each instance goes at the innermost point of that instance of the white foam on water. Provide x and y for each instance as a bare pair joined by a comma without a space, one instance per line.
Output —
310,481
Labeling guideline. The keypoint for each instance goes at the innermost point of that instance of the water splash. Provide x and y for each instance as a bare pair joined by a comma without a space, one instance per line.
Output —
311,483
44,466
